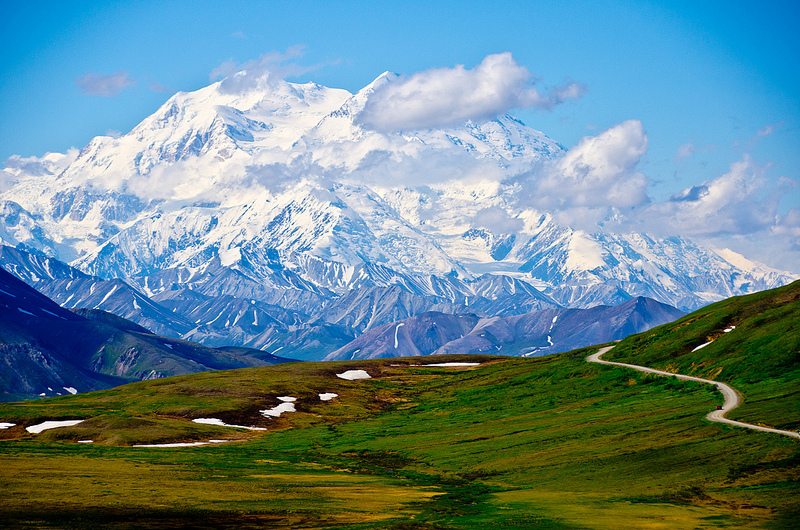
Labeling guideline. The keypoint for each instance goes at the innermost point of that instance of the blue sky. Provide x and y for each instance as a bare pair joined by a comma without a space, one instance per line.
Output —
711,82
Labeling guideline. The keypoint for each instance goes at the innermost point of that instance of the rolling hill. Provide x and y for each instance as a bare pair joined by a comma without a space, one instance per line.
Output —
546,442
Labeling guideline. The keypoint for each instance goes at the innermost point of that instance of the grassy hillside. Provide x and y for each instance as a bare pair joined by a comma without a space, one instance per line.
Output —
760,357
550,442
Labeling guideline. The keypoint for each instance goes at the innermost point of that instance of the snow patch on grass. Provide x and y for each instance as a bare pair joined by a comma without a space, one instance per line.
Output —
71,390
327,396
220,423
6,425
703,345
286,406
448,364
184,444
36,429
352,375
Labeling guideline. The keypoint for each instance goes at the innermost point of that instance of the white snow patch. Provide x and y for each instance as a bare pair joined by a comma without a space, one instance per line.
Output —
6,425
549,340
26,312
448,364
9,294
108,295
220,423
327,396
703,345
71,390
352,375
85,441
728,330
136,306
184,444
36,429
51,313
287,398
396,343
274,412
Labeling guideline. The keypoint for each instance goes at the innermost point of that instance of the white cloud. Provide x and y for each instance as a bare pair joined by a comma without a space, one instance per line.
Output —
443,97
769,129
426,166
497,220
599,172
97,84
686,150
735,203
261,72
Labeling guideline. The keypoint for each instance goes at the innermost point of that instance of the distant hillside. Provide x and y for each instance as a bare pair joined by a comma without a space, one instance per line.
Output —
47,350
531,334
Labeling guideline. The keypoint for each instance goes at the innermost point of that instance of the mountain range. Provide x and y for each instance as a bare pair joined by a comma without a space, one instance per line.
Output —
267,214
48,350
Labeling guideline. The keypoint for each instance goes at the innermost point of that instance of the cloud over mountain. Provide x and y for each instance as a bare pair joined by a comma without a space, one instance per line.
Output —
260,73
736,202
442,97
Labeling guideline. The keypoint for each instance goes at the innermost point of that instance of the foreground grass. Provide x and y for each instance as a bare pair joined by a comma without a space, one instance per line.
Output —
517,443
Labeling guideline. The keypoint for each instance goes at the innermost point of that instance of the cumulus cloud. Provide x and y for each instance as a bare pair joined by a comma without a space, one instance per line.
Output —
737,202
261,72
97,84
443,97
384,168
598,172
497,220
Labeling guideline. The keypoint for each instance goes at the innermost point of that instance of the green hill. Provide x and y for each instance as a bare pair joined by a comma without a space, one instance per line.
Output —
551,442
760,357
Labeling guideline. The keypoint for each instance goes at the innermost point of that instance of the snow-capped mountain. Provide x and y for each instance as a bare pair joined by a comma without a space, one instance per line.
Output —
275,194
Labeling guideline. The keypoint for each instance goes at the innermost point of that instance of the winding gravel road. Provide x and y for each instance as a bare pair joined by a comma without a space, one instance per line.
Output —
732,397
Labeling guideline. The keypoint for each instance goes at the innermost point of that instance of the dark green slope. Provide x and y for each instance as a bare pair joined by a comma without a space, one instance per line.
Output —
760,357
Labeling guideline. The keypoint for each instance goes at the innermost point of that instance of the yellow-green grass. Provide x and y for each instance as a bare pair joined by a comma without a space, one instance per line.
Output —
552,442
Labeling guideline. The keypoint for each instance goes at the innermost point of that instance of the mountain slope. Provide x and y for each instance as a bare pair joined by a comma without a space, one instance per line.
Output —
48,350
280,186
531,334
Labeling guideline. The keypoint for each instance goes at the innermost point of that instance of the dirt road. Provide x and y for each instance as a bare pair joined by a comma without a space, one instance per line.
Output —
732,397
